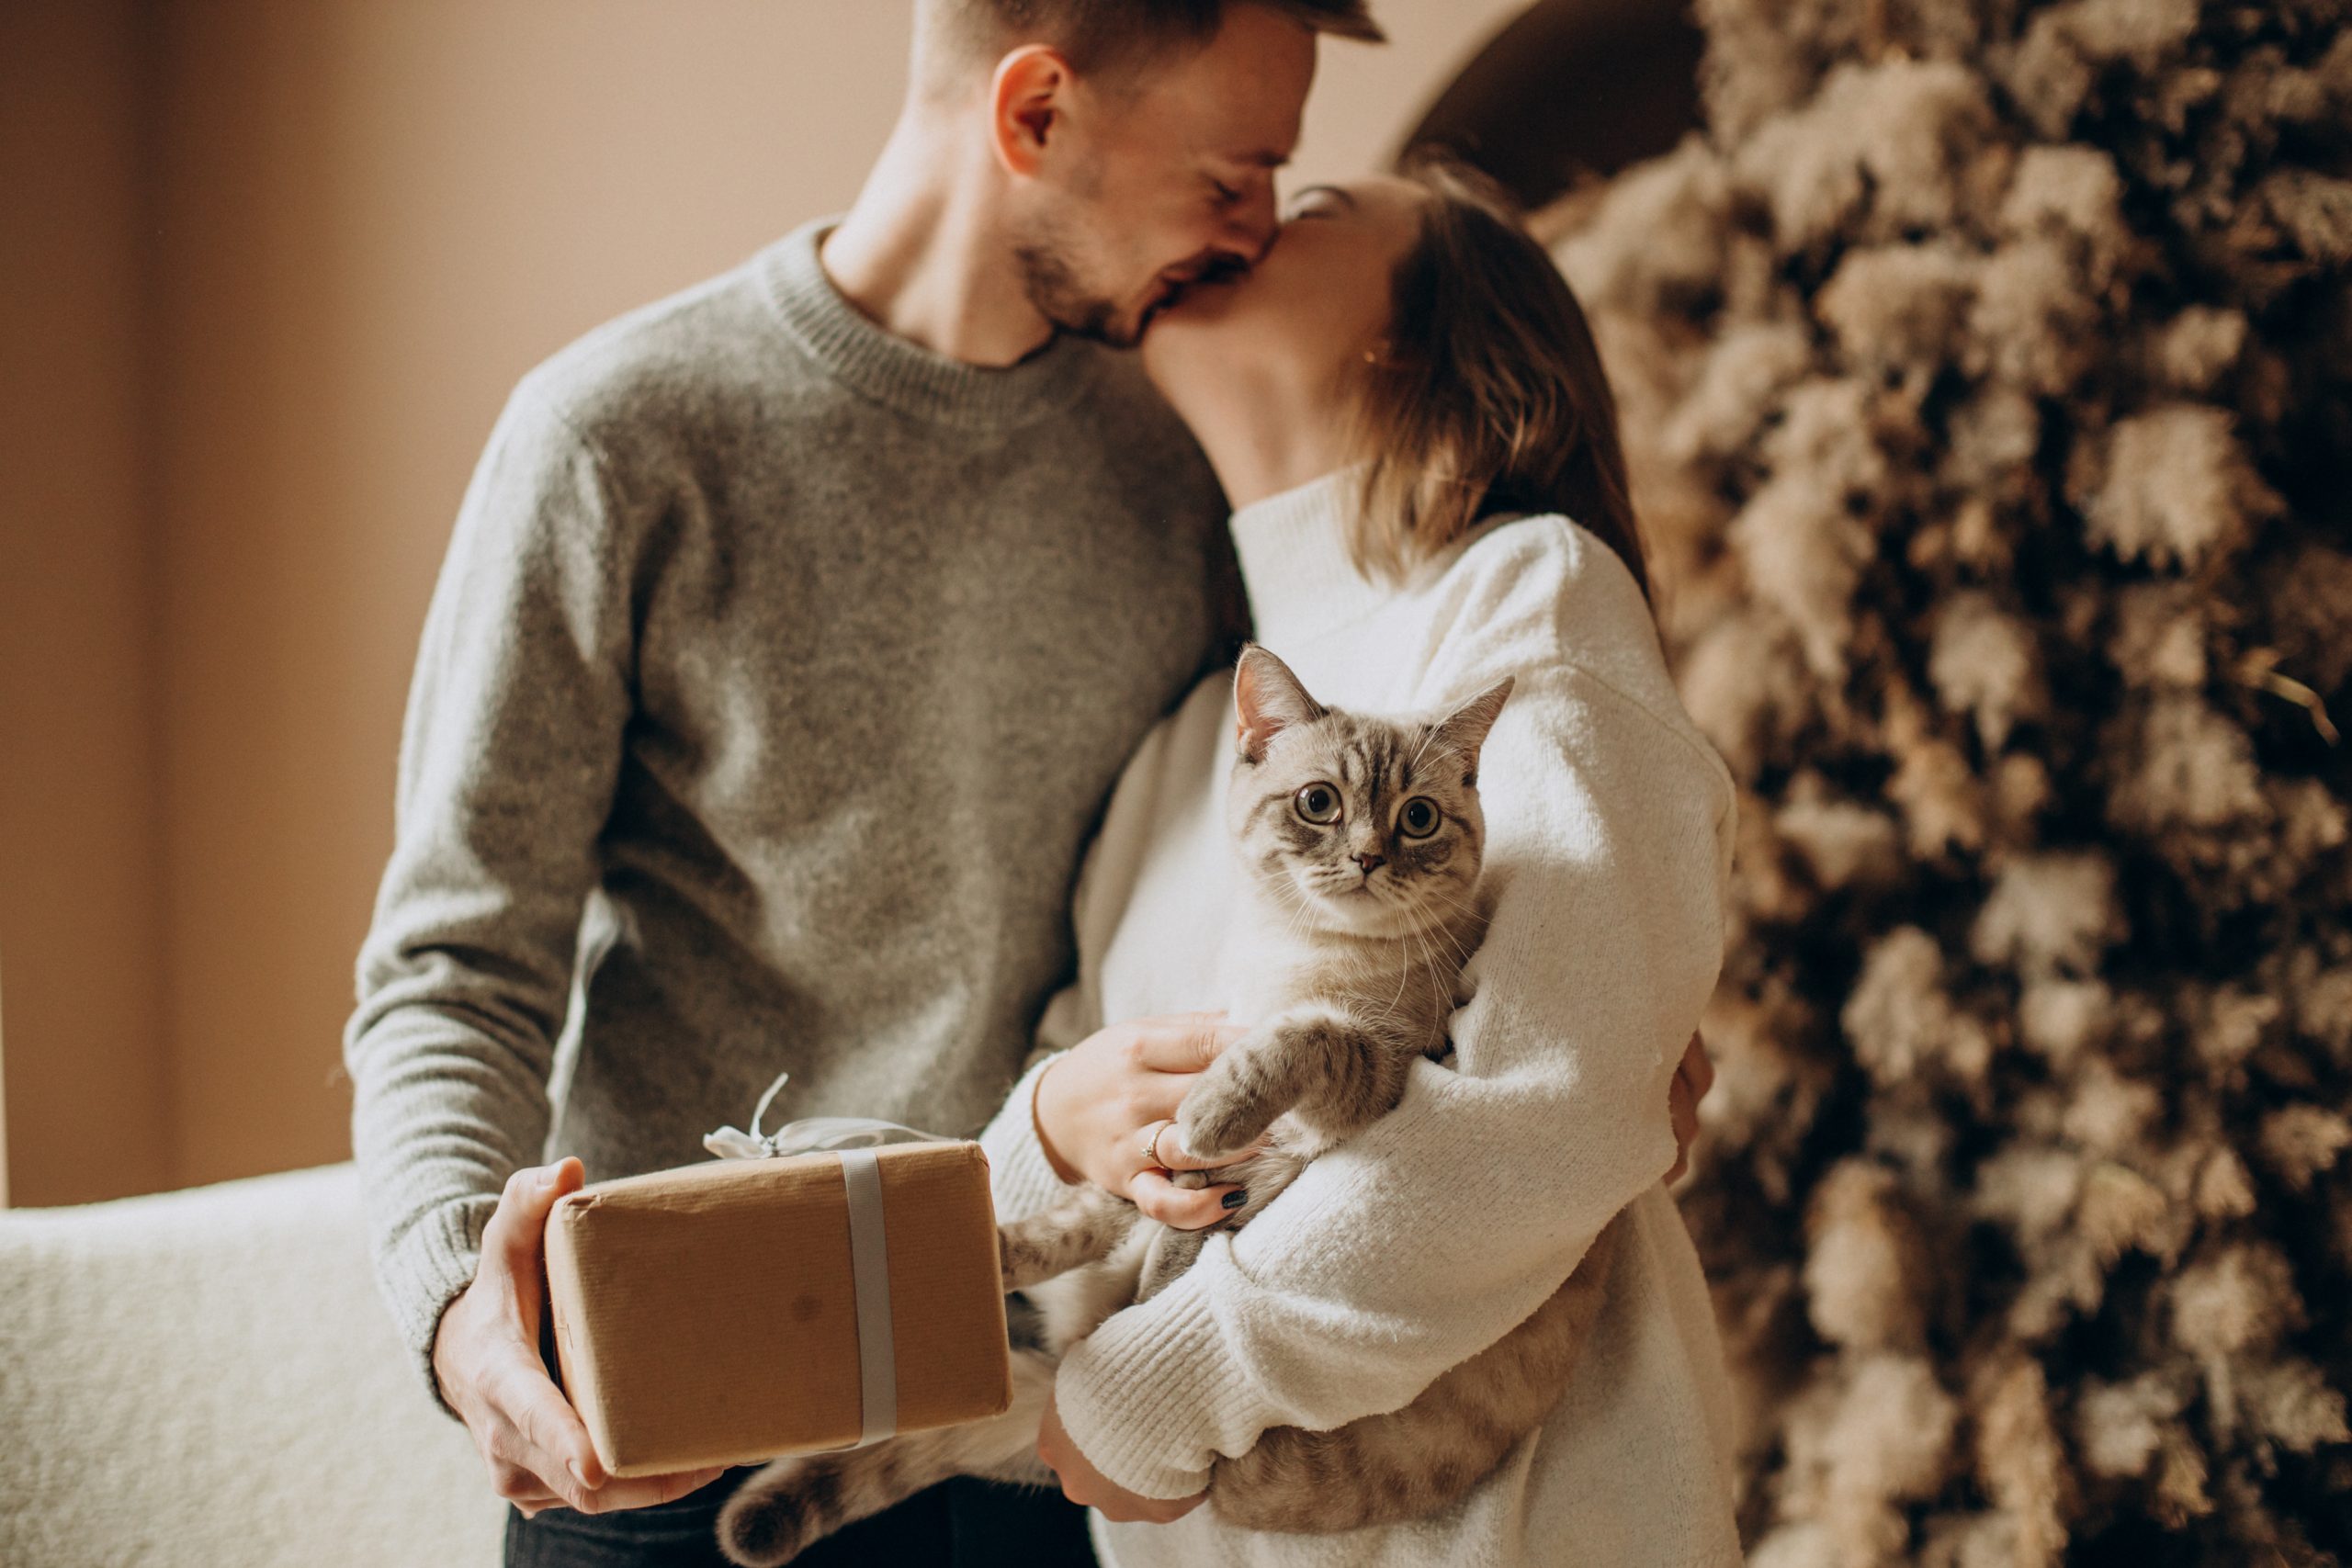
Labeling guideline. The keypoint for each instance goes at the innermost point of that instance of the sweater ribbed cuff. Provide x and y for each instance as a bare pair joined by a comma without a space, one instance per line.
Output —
1146,1395
1020,1179
426,1268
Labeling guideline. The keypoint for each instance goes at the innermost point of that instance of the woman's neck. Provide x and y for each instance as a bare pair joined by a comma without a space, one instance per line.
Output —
1263,437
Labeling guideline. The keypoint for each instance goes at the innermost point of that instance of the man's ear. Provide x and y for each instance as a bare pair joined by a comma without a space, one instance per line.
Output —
1026,106
1267,700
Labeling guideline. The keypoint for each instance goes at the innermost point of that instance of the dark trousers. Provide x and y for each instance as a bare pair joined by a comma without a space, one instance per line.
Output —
961,1523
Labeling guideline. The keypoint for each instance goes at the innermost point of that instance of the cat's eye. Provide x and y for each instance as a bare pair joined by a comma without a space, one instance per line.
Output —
1319,804
1418,819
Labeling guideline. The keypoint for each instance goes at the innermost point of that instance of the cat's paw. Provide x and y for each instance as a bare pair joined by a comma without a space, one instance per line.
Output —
1219,1124
765,1524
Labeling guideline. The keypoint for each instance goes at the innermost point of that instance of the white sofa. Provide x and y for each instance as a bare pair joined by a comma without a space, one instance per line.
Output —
206,1377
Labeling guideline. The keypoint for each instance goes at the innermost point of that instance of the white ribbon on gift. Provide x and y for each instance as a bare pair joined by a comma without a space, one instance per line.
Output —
814,1134
854,1138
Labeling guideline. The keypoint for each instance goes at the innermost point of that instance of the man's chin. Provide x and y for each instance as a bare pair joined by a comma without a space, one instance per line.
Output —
1108,329
1105,323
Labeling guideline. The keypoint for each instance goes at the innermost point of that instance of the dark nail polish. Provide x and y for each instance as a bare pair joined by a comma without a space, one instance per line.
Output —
1235,1199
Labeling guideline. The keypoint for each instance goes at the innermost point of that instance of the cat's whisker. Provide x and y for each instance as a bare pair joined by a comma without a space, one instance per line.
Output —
1459,905
1461,954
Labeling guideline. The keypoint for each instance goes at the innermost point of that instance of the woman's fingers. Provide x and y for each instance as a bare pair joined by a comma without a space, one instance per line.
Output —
1693,1076
1084,1484
1097,1102
1682,1110
1697,1067
1180,1208
1181,1043
1173,1155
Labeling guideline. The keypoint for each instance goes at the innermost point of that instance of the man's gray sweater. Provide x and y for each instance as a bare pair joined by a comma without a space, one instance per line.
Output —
802,656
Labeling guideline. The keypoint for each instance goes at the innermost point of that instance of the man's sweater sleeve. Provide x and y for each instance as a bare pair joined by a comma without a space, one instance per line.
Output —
1020,1179
1428,1237
509,755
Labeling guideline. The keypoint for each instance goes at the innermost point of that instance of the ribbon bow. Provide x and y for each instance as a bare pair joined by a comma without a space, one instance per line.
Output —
811,1135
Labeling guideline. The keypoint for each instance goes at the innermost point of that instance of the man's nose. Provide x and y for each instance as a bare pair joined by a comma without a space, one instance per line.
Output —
1254,222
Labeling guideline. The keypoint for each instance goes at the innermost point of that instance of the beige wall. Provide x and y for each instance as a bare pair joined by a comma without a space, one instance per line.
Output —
81,937
285,258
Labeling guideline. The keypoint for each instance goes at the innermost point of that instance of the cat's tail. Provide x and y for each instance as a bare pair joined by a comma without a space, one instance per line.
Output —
1411,1462
792,1504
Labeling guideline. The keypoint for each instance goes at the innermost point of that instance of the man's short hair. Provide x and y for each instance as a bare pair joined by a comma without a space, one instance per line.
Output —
1100,35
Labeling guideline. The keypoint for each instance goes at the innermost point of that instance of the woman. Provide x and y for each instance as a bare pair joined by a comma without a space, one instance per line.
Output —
1404,403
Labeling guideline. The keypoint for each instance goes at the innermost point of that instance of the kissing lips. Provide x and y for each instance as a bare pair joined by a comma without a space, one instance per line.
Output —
1167,294
1175,287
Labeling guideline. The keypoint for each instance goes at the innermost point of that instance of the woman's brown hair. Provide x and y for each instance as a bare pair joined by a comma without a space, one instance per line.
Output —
1488,394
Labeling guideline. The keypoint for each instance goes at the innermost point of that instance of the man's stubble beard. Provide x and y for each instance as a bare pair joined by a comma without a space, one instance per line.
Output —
1056,292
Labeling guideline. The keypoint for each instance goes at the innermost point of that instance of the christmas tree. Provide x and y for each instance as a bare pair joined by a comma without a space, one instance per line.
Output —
1986,374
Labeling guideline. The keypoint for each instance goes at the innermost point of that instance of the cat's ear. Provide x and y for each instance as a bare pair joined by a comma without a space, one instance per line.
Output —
1267,700
1464,730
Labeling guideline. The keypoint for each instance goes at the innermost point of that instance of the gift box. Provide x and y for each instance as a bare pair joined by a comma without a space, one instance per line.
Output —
726,1313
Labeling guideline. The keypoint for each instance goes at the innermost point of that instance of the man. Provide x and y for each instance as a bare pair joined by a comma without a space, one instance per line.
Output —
793,630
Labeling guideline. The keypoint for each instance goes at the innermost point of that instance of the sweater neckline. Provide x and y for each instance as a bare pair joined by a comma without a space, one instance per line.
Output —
1302,580
906,376
1293,547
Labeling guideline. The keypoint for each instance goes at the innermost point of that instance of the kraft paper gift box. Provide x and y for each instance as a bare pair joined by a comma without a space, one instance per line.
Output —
726,1313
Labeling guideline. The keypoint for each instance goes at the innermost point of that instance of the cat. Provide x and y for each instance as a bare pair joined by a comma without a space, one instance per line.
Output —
1361,842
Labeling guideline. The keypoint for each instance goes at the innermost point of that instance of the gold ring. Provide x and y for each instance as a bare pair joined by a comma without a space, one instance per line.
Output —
1151,1143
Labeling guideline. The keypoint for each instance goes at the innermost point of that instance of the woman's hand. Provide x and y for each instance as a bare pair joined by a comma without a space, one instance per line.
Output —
1099,1101
1090,1488
1692,1079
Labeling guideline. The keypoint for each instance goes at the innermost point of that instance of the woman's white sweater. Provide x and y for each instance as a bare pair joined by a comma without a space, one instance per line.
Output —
1426,1237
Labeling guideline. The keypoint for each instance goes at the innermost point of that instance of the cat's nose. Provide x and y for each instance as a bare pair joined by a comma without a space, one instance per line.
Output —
1369,863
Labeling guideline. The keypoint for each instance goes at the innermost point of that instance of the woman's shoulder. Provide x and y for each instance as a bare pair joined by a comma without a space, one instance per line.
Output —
1544,599
1526,593
1546,567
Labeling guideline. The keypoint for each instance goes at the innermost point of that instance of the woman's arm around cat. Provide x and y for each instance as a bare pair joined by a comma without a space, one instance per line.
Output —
1435,1230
